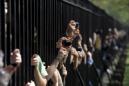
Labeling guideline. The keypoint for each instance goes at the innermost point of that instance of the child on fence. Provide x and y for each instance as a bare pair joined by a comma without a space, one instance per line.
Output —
77,52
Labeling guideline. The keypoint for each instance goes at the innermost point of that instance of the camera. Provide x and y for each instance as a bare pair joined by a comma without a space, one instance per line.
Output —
77,25
66,43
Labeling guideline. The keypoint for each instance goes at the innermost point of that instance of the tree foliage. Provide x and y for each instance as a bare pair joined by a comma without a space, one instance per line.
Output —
118,9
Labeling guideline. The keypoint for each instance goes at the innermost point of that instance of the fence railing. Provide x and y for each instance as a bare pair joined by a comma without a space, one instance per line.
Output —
34,26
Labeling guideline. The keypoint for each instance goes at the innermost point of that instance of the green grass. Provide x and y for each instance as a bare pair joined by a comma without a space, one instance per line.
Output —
126,75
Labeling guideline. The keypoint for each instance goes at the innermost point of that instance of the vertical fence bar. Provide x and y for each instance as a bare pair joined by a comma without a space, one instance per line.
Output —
14,33
24,22
3,30
1,23
28,37
9,32
38,25
24,36
0,20
20,37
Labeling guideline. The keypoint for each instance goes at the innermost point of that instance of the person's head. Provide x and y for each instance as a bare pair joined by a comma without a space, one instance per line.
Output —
90,41
115,31
99,32
109,30
1,58
72,24
90,45
71,28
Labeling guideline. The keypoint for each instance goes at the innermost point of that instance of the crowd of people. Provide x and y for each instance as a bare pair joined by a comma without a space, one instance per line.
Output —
98,50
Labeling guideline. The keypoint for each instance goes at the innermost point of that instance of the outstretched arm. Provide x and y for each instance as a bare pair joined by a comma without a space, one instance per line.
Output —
40,80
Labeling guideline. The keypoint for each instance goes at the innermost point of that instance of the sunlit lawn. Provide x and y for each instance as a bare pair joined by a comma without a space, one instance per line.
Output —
126,75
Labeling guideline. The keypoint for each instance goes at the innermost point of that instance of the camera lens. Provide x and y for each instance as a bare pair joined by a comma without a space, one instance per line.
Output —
77,24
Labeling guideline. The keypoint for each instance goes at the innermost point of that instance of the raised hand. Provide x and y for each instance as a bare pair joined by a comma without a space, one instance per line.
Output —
34,60
16,57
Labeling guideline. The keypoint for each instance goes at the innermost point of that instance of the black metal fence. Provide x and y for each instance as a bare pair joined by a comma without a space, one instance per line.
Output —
34,26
